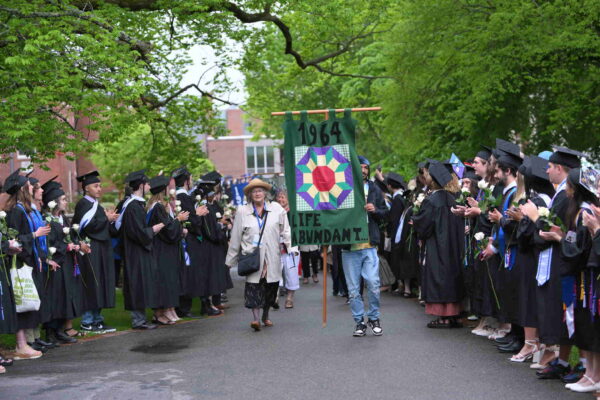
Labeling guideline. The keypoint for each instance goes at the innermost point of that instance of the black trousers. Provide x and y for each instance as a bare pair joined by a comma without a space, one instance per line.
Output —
310,259
337,272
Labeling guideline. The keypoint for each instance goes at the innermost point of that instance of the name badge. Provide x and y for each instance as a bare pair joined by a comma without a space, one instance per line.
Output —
255,239
571,237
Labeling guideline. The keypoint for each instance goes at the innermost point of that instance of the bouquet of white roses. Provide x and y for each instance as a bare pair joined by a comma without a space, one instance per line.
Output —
418,202
549,218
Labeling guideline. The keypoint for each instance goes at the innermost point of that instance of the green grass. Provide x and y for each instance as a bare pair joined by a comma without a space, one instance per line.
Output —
116,317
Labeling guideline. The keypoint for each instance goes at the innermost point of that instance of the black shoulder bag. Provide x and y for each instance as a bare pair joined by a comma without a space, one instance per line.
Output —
250,263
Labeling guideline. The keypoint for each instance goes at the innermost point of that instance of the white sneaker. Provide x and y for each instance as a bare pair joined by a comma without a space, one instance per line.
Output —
498,333
485,331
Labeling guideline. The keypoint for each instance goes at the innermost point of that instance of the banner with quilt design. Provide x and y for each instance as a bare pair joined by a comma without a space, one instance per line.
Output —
324,181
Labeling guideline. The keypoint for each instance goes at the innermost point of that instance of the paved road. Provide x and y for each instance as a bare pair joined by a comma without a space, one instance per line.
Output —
221,358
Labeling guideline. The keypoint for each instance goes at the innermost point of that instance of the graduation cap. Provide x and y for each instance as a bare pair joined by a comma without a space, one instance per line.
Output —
567,157
89,178
503,146
589,178
485,153
181,175
397,179
52,190
134,178
439,173
14,182
539,166
510,160
213,176
159,183
525,167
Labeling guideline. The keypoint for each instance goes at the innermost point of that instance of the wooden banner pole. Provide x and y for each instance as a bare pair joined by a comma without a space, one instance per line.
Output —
324,254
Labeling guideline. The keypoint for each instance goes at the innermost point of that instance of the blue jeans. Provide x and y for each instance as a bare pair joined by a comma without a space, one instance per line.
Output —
362,263
92,317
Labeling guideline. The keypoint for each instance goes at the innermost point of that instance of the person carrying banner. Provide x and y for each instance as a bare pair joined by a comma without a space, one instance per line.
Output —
361,260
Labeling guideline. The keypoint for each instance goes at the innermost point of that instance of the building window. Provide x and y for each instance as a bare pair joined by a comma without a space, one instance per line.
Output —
260,159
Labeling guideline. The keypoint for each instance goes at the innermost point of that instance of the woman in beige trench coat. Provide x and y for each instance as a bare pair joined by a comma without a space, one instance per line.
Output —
261,287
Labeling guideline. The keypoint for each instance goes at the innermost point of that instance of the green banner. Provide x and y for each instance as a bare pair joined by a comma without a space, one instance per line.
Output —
324,181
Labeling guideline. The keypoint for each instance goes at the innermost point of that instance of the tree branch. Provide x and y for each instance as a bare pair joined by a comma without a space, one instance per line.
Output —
157,104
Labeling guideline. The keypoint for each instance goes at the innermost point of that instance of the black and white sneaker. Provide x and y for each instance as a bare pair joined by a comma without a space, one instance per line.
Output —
375,326
86,327
360,330
100,327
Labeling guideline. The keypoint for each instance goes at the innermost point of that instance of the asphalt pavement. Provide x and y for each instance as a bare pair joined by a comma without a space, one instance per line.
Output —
222,358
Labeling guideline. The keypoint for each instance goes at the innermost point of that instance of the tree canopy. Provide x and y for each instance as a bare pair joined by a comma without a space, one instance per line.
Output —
449,74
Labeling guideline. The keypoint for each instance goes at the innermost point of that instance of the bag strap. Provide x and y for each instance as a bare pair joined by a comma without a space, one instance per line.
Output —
263,228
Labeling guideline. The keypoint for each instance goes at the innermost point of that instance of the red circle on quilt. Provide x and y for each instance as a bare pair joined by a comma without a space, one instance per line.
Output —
323,178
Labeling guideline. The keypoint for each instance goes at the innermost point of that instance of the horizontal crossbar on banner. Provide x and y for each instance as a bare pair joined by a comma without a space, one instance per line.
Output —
337,110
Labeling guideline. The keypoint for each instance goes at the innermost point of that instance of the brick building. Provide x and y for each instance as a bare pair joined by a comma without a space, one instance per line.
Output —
237,154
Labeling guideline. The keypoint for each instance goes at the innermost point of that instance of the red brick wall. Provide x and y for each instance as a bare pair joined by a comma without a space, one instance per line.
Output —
228,156
235,122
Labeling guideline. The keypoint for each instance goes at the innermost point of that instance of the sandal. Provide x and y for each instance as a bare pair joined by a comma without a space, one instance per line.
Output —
315,278
2,370
439,324
289,304
5,362
255,325
522,357
267,323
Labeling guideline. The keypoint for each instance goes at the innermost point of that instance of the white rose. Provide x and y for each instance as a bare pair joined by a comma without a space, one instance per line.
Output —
178,209
224,197
172,192
482,184
51,250
543,212
2,214
52,205
466,191
177,202
412,185
66,230
198,198
479,236
218,215
492,188
421,197
75,227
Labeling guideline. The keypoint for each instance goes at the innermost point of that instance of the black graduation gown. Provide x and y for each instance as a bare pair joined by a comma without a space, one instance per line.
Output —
64,285
508,279
8,313
98,267
396,209
405,253
16,219
443,234
193,276
140,278
594,266
166,250
577,254
526,262
216,280
223,239
551,328
485,282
